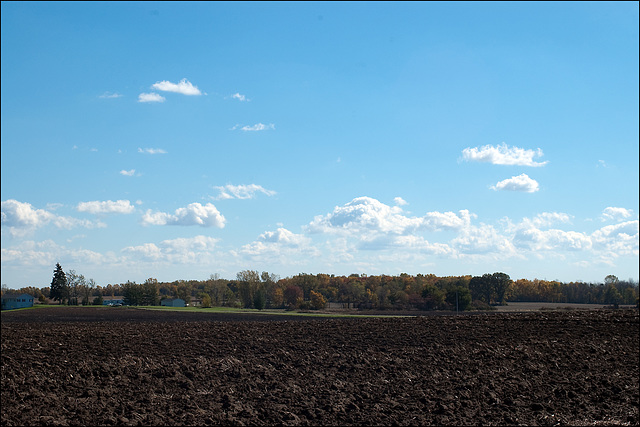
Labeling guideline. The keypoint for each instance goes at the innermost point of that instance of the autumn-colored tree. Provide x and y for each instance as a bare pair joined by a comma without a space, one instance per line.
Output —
278,297
293,296
318,301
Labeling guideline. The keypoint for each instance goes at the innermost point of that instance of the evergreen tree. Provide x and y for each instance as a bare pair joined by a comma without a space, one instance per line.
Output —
59,285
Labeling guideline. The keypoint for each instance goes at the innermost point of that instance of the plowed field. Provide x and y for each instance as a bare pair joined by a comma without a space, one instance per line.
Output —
125,366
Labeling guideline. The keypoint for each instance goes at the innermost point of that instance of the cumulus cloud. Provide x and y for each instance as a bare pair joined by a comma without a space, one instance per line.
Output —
184,87
21,217
151,97
151,151
482,240
503,155
615,214
258,127
283,236
447,220
46,253
517,183
281,246
241,191
618,239
128,173
399,201
189,250
97,207
536,240
365,214
546,219
194,214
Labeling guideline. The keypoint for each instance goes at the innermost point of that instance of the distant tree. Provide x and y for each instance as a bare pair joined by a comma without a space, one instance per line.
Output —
432,298
132,293
259,299
98,300
480,288
150,292
611,280
278,297
490,287
206,300
59,286
248,281
87,289
459,297
500,283
76,283
318,301
612,295
293,296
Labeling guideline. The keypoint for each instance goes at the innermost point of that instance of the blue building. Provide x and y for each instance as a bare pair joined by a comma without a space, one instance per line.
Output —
14,300
172,302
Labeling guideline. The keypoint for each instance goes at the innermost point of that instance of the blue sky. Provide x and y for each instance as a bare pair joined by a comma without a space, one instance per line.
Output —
180,140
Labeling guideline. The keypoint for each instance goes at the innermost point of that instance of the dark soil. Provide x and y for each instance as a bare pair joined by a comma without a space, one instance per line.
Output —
125,366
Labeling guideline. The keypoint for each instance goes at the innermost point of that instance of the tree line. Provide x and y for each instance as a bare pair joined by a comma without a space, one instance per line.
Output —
251,289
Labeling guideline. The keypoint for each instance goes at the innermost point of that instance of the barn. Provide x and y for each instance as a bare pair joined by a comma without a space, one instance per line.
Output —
14,300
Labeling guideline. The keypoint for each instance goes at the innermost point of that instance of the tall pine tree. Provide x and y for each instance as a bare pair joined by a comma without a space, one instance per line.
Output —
59,285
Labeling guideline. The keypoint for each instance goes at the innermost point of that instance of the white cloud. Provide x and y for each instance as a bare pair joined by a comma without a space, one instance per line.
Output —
193,214
258,127
151,97
241,191
546,219
533,239
615,214
184,87
147,251
482,240
151,151
97,207
189,250
618,239
128,173
22,218
109,95
364,215
399,201
54,206
517,183
47,253
23,215
447,220
281,246
284,237
503,155
240,97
